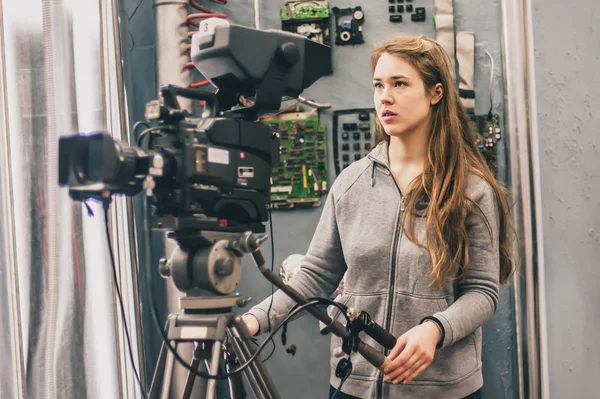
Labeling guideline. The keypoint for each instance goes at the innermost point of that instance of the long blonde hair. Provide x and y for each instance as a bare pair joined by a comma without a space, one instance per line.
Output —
452,156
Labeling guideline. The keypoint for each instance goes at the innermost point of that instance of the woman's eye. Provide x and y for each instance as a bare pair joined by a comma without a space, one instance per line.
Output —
399,84
377,85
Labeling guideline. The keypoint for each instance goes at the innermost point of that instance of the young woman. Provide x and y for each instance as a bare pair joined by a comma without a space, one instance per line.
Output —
420,226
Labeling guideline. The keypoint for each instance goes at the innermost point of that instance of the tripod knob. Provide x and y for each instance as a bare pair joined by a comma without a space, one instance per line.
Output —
164,268
224,266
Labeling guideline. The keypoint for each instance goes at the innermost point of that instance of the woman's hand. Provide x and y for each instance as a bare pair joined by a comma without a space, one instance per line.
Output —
413,352
251,323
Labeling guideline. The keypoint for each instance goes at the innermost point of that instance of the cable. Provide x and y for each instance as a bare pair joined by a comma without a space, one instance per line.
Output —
491,83
340,387
205,13
135,10
106,204
151,130
313,103
272,286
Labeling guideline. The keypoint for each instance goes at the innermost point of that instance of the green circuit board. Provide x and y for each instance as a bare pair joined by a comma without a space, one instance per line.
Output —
303,10
300,179
487,134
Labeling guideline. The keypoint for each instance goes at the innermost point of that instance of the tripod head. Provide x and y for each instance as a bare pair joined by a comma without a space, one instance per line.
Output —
208,260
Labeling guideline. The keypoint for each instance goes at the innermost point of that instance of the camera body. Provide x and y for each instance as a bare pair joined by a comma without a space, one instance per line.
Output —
216,176
209,173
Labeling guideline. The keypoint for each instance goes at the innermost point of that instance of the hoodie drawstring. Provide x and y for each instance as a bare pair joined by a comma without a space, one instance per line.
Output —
372,173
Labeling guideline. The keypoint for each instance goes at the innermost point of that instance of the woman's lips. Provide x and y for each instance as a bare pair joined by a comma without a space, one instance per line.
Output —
389,118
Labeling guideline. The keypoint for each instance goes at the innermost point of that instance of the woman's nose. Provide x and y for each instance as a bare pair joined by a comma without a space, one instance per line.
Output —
385,96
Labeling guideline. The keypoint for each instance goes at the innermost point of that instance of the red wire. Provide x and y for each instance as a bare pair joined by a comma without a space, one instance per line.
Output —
205,13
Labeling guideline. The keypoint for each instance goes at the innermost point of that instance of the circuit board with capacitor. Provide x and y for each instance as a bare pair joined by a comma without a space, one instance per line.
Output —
487,134
300,179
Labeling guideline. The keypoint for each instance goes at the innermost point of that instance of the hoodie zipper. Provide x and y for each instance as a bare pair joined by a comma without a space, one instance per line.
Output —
388,316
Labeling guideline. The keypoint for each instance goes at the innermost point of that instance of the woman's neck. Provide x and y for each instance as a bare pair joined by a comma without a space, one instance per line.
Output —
407,156
408,150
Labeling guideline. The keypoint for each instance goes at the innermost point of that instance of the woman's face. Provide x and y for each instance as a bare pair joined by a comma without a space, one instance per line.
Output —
402,103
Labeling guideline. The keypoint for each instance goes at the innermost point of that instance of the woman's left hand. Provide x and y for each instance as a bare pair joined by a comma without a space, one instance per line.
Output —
413,352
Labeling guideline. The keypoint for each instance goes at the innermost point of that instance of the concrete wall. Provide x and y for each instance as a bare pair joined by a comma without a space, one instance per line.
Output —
567,60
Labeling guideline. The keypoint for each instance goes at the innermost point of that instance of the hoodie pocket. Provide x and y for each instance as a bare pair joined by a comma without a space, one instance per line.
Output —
449,364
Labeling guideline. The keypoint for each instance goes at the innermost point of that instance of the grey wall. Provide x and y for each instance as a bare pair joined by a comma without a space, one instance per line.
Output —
567,60
306,374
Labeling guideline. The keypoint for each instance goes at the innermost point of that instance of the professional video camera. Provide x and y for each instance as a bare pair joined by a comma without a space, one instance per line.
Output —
213,172
208,180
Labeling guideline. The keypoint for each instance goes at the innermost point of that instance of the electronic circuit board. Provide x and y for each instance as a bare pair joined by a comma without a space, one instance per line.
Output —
487,134
300,179
307,18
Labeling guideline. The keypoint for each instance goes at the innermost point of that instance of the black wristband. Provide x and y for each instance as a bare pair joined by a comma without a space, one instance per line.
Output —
440,325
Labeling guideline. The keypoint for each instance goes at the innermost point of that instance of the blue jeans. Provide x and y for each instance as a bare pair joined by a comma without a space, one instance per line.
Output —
341,395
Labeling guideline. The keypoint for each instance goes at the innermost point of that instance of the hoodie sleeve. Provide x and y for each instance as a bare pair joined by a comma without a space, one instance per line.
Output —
321,270
477,298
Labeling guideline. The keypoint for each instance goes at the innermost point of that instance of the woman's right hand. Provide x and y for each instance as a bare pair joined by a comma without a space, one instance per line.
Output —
251,323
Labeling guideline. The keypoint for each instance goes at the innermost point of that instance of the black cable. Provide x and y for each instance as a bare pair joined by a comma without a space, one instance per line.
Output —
106,204
341,384
273,271
138,124
152,130
135,10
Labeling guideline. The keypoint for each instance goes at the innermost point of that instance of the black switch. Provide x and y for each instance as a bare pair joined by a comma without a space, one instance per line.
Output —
345,136
409,8
363,116
393,1
356,146
356,157
345,147
392,9
345,157
419,15
395,18
367,146
356,135
367,135
400,8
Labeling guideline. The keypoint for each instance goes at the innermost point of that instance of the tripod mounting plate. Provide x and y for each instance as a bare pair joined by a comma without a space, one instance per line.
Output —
211,302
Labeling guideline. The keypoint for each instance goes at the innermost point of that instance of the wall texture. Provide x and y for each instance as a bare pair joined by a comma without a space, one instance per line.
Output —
567,58
305,375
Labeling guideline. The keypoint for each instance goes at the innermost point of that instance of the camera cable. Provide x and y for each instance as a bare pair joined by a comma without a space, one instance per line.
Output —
271,234
105,205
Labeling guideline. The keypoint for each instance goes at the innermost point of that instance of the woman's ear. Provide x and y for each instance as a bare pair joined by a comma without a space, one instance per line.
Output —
437,93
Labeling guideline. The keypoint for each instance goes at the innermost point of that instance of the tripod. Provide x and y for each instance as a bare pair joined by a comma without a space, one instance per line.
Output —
209,322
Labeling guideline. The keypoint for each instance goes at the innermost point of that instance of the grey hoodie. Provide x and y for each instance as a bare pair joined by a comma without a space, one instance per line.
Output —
389,277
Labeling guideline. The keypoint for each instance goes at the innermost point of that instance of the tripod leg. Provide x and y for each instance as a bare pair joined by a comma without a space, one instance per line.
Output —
236,385
214,369
259,379
220,332
159,371
166,386
189,384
